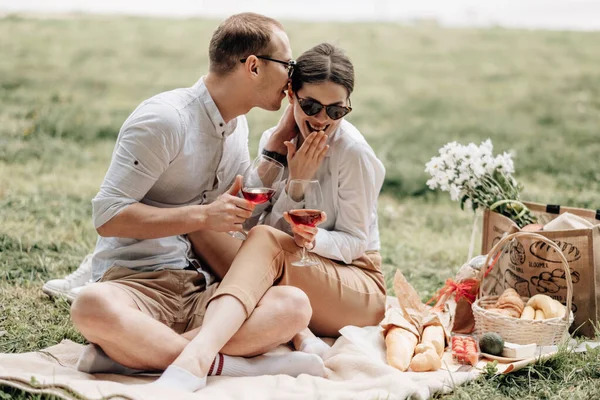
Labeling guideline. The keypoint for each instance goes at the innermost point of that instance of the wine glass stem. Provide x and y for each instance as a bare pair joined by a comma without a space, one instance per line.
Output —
303,254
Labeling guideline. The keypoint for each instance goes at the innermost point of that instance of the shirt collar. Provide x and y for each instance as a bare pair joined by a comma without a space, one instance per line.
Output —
221,129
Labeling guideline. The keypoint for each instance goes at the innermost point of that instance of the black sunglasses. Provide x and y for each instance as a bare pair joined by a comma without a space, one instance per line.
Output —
312,107
290,64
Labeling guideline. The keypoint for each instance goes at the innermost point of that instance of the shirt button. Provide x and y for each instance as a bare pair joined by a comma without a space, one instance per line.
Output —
221,124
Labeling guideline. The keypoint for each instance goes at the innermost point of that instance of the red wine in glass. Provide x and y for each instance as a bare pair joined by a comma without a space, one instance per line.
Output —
258,195
305,217
310,192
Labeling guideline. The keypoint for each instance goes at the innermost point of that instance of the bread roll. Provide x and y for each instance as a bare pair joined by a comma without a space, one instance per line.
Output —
561,309
425,359
400,347
528,313
539,315
548,305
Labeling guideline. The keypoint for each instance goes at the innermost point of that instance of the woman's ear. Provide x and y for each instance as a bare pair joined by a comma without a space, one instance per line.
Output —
290,93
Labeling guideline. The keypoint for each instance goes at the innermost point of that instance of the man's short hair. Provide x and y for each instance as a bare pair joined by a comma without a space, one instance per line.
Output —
240,36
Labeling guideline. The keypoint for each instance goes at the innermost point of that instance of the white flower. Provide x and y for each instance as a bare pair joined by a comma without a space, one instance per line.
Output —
505,163
487,147
454,192
470,169
432,184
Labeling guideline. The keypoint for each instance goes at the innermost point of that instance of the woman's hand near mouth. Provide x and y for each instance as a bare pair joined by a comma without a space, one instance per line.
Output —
304,162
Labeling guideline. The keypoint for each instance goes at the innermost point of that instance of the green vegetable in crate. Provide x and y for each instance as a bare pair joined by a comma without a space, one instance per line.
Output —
491,343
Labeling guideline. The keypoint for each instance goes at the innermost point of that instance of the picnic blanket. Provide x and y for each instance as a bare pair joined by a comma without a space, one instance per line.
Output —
355,370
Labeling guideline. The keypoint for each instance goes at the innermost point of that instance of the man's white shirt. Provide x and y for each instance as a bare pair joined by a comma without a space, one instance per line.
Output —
174,150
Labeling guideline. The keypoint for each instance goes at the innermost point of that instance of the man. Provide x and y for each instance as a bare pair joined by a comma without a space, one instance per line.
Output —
173,172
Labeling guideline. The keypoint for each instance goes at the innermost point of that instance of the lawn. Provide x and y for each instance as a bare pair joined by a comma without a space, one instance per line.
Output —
67,84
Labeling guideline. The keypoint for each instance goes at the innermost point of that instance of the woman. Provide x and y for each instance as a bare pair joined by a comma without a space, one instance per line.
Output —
347,286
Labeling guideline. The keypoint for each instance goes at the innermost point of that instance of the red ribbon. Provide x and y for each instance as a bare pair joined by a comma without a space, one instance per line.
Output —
466,289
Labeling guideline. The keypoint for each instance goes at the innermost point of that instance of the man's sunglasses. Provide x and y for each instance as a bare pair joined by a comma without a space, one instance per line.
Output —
290,64
312,107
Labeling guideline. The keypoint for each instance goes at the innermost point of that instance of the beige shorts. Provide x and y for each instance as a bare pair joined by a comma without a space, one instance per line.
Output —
177,298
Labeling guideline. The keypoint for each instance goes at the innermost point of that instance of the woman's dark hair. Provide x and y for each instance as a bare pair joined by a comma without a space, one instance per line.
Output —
323,63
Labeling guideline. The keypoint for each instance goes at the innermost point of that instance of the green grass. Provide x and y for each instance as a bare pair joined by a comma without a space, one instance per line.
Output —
66,85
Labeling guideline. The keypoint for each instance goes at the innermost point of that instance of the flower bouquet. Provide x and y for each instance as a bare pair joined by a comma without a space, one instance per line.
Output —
472,174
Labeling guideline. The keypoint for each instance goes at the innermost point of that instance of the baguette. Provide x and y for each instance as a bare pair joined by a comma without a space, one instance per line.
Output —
434,334
400,347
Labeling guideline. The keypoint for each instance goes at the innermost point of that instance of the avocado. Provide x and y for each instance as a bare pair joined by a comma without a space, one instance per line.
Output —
491,343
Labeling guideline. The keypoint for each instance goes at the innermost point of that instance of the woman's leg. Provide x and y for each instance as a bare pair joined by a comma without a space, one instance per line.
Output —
339,294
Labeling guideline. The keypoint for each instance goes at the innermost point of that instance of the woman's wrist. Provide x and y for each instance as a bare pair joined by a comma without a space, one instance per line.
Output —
281,158
276,143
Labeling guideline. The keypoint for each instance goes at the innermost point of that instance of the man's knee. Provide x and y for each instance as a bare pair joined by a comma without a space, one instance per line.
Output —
292,307
93,309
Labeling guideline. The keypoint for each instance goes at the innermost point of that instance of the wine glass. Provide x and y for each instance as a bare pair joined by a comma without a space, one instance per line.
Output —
304,202
260,181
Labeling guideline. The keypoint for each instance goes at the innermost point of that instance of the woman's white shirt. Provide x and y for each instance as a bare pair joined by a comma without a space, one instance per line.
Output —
351,177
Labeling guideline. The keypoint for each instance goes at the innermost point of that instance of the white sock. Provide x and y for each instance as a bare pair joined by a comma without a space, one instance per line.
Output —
94,360
175,377
293,364
314,345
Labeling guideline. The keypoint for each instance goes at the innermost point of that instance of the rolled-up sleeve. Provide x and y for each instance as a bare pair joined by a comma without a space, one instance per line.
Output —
361,176
149,140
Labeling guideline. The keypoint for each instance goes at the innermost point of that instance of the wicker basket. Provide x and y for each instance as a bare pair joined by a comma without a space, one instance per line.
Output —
542,332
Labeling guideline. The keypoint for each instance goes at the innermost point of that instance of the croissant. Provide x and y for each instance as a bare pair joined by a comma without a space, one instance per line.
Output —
510,301
504,311
510,298
509,292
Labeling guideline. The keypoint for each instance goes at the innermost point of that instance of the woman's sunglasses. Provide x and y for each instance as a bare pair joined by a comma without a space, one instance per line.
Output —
312,107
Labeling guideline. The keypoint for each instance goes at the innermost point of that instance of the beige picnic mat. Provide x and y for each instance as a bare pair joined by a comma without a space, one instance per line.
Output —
354,371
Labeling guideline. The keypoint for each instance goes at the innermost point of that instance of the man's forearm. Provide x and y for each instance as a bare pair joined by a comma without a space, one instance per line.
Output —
141,221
